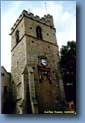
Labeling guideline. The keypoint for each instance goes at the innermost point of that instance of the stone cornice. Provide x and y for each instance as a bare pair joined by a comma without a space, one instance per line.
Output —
34,38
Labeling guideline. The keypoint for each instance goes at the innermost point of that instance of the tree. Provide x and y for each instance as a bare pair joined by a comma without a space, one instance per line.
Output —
68,69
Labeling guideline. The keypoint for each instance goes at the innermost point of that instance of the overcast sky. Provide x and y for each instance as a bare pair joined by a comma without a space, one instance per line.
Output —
64,14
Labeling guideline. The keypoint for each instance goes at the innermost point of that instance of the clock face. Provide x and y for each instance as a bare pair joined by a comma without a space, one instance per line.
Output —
44,62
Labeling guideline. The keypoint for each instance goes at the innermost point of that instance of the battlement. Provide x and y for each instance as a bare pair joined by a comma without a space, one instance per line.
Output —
46,19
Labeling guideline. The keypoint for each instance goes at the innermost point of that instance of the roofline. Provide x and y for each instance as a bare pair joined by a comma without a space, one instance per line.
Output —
22,15
4,68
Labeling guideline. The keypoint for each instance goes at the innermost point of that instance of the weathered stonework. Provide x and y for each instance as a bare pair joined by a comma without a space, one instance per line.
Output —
8,97
39,87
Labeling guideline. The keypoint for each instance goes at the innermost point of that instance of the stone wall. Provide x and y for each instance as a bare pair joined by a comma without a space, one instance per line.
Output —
27,53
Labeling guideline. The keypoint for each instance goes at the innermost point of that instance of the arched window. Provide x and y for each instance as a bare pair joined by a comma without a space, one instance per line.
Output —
17,36
39,32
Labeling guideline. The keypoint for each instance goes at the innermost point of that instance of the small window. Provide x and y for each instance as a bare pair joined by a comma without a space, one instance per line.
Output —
17,36
2,74
5,90
30,27
39,32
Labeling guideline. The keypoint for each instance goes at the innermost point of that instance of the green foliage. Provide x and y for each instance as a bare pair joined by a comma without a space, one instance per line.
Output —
68,69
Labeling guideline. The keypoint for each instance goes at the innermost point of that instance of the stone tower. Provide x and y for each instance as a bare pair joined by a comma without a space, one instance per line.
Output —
34,66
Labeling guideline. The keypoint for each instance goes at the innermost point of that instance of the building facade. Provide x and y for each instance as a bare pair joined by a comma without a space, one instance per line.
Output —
8,100
34,67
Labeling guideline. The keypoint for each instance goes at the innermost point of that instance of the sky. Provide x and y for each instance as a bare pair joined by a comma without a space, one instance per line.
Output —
63,12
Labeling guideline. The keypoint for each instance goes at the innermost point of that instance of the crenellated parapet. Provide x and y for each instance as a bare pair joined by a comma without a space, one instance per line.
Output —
46,19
